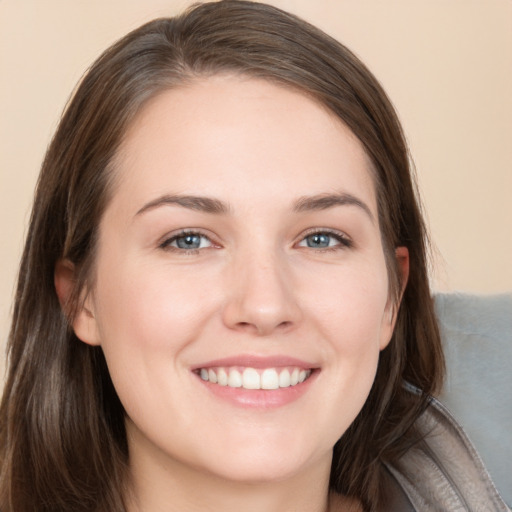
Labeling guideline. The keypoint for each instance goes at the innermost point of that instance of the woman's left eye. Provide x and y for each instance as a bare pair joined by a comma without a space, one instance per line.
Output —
187,241
324,240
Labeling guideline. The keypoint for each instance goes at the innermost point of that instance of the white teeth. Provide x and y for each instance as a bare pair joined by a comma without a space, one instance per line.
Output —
284,379
269,379
222,377
234,379
250,378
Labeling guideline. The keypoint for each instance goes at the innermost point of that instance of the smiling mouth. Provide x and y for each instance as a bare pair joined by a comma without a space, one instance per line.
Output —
252,378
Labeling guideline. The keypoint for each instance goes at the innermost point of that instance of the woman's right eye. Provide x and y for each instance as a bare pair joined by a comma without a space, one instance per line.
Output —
187,242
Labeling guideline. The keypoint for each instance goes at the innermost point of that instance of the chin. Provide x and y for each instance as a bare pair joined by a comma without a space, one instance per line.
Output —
260,469
264,460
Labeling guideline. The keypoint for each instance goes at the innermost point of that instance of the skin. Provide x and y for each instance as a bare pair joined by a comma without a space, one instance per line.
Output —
254,287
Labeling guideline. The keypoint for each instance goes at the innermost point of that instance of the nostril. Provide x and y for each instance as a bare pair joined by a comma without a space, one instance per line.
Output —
247,327
261,328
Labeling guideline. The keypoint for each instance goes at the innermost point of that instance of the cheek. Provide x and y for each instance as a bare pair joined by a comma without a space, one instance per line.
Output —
149,306
147,317
351,315
351,308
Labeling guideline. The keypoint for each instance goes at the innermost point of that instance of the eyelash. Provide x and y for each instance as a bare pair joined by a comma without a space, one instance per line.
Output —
166,244
344,241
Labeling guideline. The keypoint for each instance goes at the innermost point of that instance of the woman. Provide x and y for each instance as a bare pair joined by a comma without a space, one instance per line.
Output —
223,300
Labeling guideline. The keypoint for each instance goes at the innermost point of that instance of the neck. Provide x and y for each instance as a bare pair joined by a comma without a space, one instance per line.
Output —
209,493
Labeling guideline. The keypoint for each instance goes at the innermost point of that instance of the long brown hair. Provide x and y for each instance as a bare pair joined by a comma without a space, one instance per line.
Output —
62,436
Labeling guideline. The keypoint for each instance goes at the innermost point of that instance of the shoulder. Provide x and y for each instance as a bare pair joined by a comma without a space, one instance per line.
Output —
443,471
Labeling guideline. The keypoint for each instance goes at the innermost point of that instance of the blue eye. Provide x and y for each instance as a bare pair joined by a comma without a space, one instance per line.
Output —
187,241
324,240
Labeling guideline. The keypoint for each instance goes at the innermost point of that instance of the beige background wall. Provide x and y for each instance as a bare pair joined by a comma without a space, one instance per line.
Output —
447,65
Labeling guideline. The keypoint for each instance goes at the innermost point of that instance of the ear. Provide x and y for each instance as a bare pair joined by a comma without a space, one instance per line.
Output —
83,320
391,311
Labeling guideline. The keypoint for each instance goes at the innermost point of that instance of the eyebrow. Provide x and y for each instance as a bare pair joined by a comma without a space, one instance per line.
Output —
325,201
216,206
199,203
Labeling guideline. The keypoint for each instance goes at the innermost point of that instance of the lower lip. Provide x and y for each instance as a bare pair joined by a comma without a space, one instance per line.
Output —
260,398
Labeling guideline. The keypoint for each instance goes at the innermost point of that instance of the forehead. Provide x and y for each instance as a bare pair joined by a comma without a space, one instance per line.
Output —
239,136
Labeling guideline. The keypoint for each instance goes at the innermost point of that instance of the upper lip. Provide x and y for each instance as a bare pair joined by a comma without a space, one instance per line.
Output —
257,362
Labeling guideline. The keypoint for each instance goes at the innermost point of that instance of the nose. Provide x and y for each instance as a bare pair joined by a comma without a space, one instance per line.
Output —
261,298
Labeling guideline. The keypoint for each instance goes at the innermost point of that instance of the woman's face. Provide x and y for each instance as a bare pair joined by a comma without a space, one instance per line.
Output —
241,250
